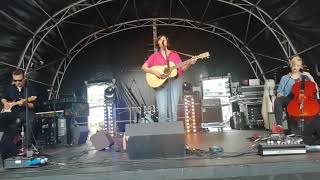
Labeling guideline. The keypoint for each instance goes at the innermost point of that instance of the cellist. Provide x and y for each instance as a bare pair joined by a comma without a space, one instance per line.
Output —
285,88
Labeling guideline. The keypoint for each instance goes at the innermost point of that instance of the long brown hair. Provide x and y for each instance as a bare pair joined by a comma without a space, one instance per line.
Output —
158,38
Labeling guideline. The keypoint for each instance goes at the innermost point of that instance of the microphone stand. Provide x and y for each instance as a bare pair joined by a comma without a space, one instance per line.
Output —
28,130
169,82
55,124
27,115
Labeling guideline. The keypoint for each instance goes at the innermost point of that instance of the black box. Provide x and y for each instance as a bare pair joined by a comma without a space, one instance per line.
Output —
154,140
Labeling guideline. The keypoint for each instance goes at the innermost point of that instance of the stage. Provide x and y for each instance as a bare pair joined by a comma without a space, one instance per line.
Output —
239,161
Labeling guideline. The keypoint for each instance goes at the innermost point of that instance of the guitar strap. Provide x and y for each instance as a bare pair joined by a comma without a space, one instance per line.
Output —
166,58
188,55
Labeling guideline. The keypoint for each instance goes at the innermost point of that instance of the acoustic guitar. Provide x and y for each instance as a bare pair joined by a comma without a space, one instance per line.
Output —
155,82
14,103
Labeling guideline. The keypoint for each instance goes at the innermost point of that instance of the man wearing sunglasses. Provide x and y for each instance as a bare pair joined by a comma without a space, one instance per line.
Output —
15,113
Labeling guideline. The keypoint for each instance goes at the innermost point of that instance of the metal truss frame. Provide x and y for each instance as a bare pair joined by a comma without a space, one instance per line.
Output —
30,53
231,38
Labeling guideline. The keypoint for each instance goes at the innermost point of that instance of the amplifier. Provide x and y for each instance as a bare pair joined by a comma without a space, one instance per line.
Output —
254,113
281,149
211,114
251,89
211,102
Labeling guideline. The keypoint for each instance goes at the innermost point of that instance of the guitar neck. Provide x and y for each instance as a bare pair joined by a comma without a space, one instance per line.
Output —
15,103
200,56
29,99
180,64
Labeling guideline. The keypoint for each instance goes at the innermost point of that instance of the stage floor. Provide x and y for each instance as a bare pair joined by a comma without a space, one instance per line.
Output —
83,162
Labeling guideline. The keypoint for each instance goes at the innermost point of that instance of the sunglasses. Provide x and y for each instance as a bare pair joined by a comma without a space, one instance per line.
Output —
20,80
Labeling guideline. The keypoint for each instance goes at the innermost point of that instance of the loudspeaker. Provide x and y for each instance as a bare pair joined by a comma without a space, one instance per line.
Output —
211,114
79,134
311,133
101,140
153,140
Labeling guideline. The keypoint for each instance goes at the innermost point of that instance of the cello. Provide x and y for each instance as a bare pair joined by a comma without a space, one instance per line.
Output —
304,105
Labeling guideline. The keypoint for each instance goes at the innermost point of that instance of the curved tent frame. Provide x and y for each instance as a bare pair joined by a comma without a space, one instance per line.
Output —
245,7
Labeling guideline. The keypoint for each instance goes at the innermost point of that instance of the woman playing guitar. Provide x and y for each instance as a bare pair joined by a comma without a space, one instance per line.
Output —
167,96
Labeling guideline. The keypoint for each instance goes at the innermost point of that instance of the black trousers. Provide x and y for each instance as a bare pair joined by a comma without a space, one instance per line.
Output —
10,124
9,128
279,104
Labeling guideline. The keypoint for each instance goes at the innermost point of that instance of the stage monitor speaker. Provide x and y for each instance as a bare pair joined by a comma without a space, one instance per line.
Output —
154,140
101,140
211,114
79,134
311,133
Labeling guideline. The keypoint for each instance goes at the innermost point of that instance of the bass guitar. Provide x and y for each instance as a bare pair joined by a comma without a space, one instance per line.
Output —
155,82
14,103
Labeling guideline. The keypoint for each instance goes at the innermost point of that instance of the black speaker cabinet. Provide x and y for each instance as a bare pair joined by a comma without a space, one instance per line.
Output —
211,114
154,140
79,134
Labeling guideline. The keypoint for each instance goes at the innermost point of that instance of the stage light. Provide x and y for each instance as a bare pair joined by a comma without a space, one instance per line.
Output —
109,119
187,87
189,111
109,93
